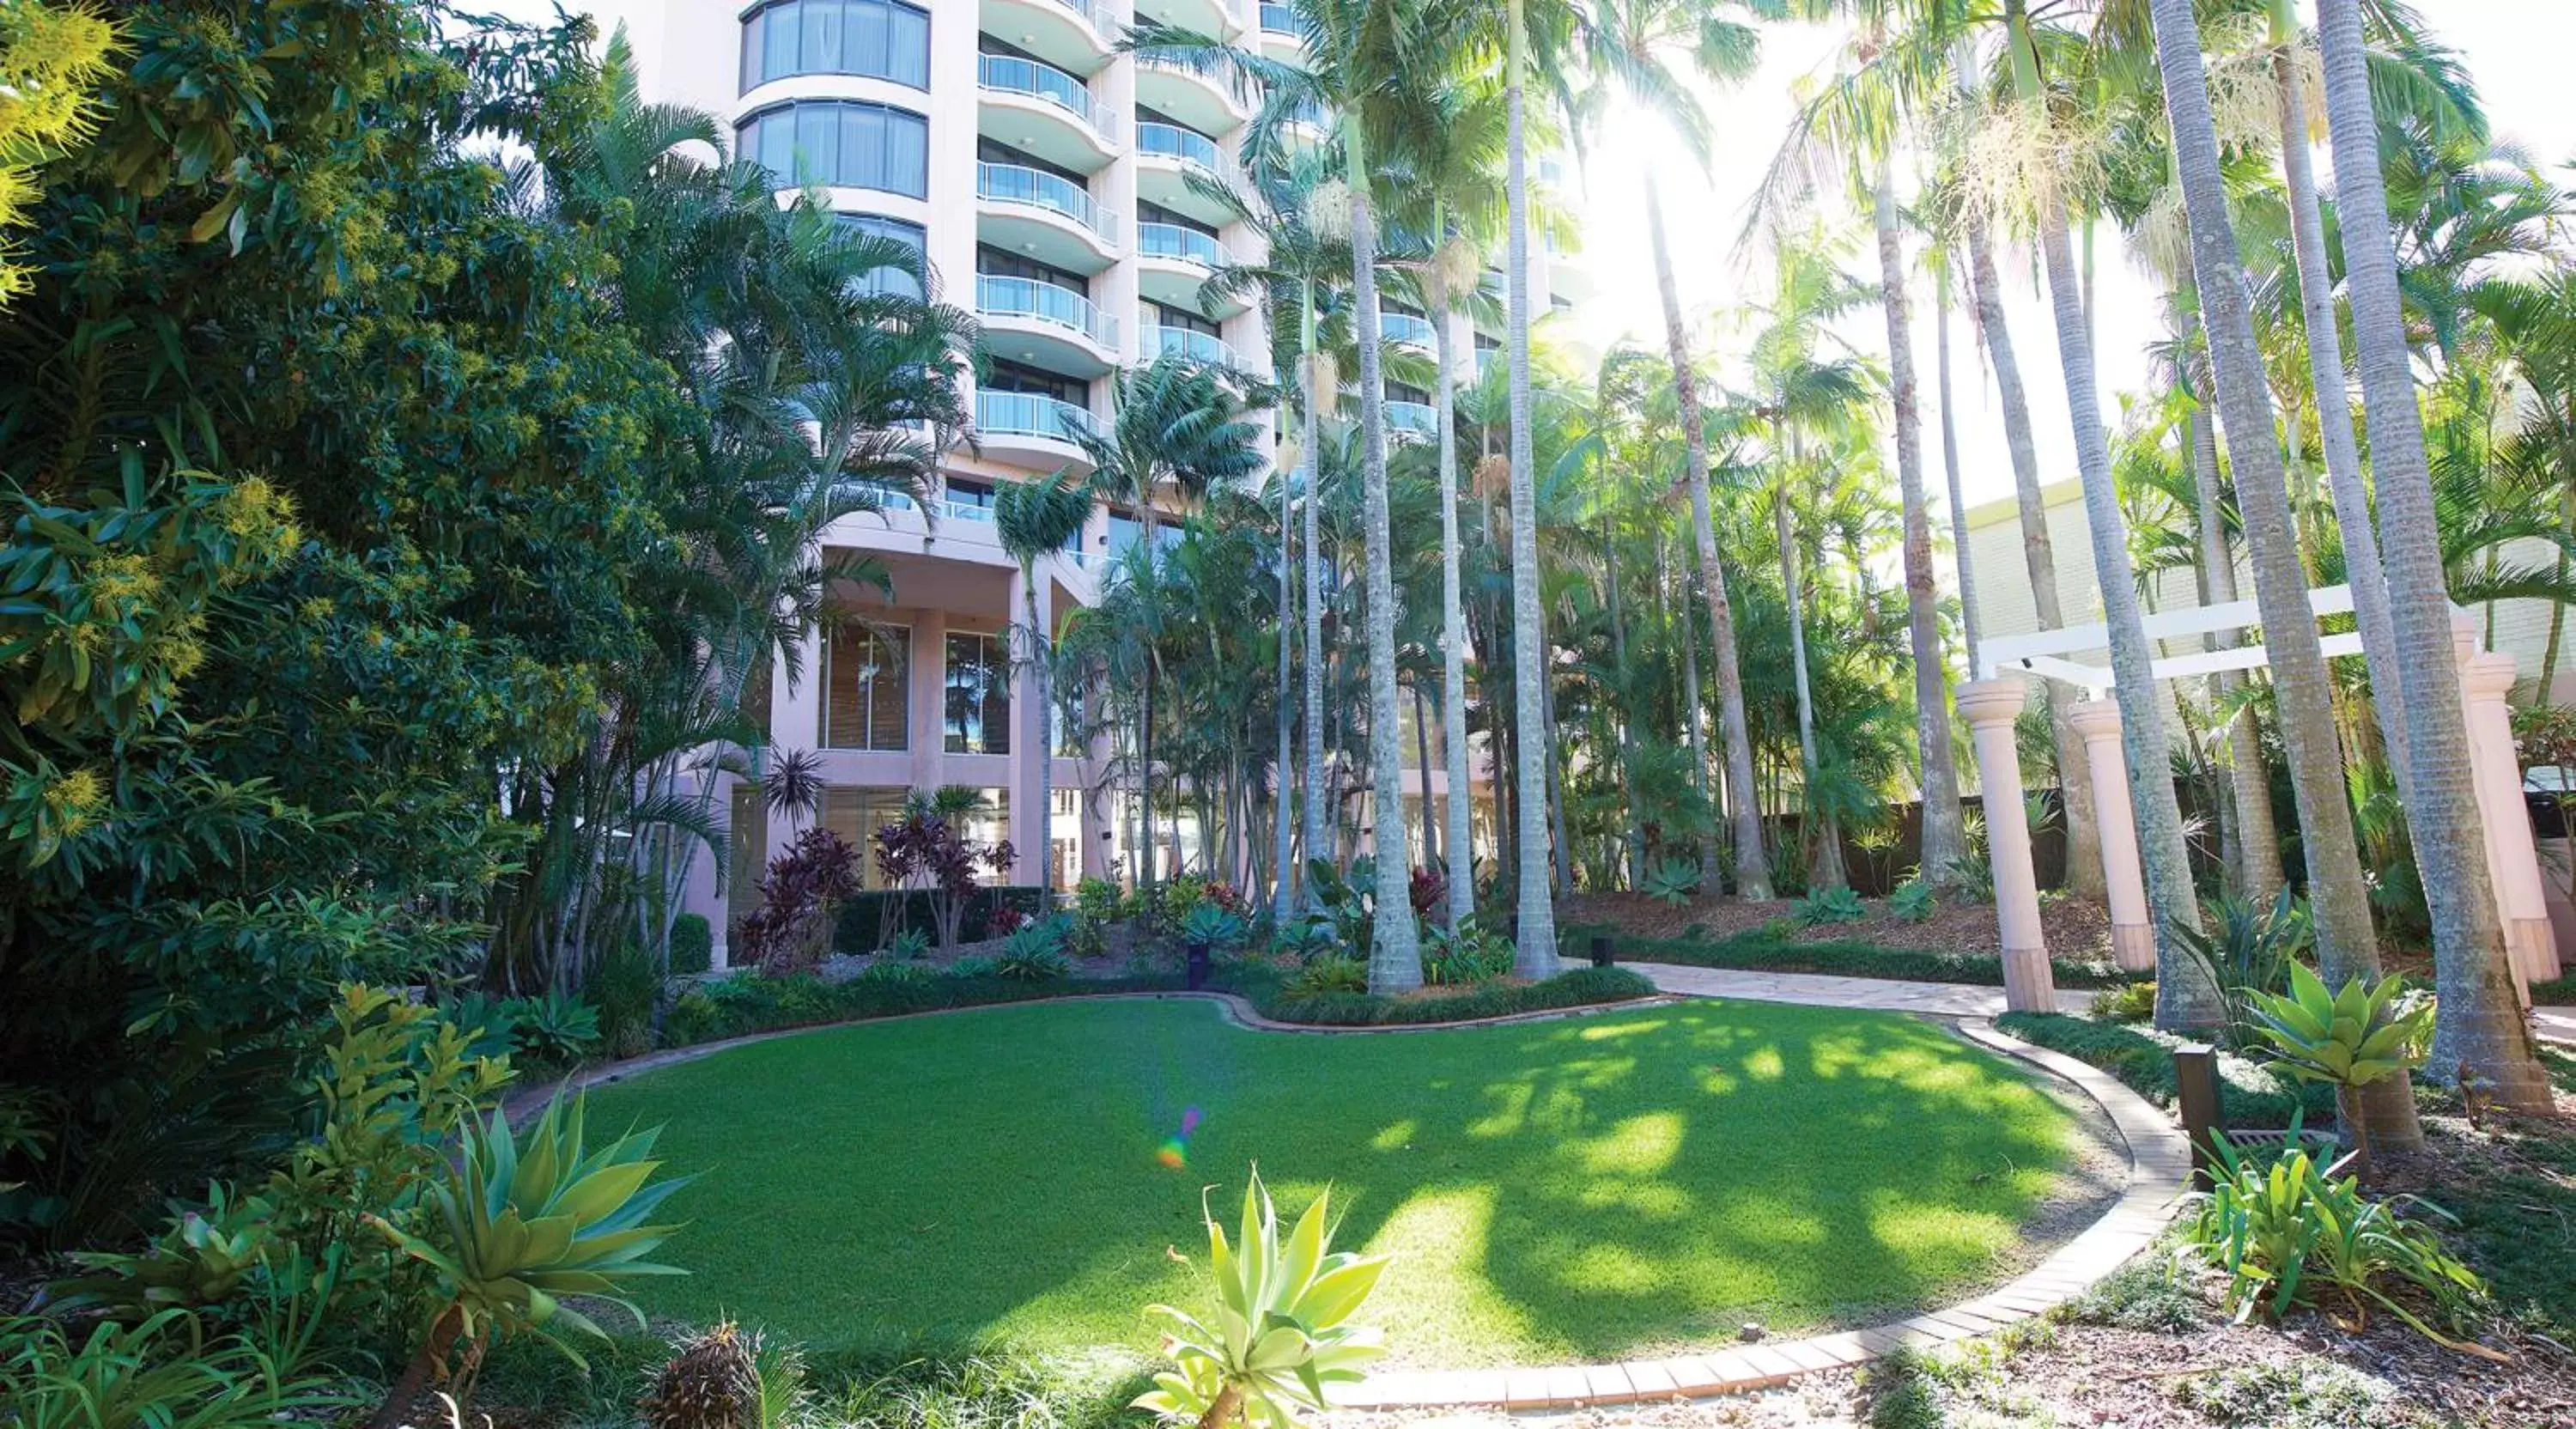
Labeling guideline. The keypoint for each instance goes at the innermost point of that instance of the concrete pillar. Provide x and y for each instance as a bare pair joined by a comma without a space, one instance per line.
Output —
1990,707
2513,857
926,734
2133,933
1030,823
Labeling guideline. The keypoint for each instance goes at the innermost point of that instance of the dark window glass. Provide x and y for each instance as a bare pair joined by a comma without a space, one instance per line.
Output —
892,281
978,694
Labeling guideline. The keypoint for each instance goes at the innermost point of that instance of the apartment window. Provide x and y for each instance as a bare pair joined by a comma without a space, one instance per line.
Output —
891,281
843,143
979,694
995,262
1150,212
1165,315
879,39
867,683
856,813
1008,376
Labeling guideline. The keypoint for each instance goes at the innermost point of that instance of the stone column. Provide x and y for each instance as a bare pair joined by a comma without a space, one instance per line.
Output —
2513,857
2133,933
1990,707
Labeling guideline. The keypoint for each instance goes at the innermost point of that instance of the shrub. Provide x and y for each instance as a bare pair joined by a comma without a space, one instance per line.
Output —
1212,927
1428,888
1006,921
1327,975
1034,954
1464,956
1778,949
2146,1294
799,898
1913,901
910,945
2346,1039
1829,905
2246,950
892,969
2288,1231
556,1030
925,845
143,1375
2130,1002
711,1381
693,945
2142,1058
1672,881
625,989
866,916
1280,1331
1349,1007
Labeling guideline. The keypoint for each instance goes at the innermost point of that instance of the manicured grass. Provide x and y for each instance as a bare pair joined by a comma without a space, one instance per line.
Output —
1597,1186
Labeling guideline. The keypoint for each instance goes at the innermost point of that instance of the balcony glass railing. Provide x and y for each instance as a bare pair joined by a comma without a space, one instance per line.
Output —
1411,419
1405,328
1170,240
1279,19
1046,303
1189,342
1174,142
1025,414
1007,74
1013,183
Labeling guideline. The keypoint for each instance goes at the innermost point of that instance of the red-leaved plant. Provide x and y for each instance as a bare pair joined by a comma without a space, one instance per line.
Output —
804,888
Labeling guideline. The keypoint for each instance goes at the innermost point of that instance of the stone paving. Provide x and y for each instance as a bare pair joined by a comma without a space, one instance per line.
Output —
2557,1024
1932,999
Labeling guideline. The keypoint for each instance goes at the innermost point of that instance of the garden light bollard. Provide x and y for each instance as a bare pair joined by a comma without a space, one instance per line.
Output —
2495,768
2204,1118
1195,964
1601,950
1990,707
2133,934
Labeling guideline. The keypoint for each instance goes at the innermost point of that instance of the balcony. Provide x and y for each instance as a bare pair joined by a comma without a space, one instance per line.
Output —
1035,430
1202,100
1057,328
1407,329
1174,263
1189,342
1167,157
1044,110
1207,17
1044,215
1411,421
1075,35
1279,20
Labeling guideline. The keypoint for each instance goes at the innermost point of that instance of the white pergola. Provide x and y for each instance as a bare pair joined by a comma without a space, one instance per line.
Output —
1995,698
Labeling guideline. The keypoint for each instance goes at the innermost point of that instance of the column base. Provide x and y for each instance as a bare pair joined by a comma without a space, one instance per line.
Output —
2029,986
2133,947
2534,947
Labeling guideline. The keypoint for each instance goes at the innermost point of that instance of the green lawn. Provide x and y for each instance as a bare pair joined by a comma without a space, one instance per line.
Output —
1595,1187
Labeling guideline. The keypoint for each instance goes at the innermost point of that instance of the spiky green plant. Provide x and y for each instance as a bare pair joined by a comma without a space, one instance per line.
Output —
523,1222
2347,1038
1282,1327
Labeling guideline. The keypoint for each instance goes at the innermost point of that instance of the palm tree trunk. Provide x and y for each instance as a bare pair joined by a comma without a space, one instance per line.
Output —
1045,684
1395,953
2347,945
1453,647
1422,764
2479,1030
1942,837
1969,617
1561,866
1693,716
2362,569
1313,838
1636,834
1281,887
2186,998
2249,789
1824,860
1536,957
1752,869
2039,558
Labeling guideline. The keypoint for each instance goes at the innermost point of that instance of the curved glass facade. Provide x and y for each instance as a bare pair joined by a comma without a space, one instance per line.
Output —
878,39
844,143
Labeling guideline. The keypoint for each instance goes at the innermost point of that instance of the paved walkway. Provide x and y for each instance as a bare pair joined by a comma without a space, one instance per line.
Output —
2557,1024
1939,999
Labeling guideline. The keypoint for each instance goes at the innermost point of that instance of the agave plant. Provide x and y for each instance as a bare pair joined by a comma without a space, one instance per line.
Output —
1281,1331
522,1223
1672,882
2347,1038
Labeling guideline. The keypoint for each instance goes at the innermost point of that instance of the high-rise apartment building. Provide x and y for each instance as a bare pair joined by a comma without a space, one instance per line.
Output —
1045,179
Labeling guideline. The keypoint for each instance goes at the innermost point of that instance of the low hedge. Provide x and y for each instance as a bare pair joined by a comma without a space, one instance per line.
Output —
747,1002
1764,952
2252,1096
855,931
1583,987
693,943
2557,992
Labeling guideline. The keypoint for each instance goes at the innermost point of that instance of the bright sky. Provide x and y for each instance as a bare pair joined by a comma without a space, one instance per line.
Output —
2514,49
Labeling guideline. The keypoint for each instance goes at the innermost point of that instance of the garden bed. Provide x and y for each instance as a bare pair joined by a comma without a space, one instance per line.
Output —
2077,930
1764,951
2253,1096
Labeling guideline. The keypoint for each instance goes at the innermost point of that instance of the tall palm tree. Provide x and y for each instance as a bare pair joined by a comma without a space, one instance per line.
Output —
2347,944
1033,519
1447,140
2479,1030
1636,44
1176,430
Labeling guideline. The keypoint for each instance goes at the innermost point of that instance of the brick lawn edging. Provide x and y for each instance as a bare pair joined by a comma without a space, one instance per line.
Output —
2159,1169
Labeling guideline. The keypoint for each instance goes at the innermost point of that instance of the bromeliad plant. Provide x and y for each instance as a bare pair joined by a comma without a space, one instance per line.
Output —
521,1223
2347,1039
1282,1327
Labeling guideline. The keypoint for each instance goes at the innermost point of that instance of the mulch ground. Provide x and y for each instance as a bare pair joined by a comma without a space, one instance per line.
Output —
2076,928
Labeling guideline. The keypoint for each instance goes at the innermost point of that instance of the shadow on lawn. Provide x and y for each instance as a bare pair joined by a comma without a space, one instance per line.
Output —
1591,1188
